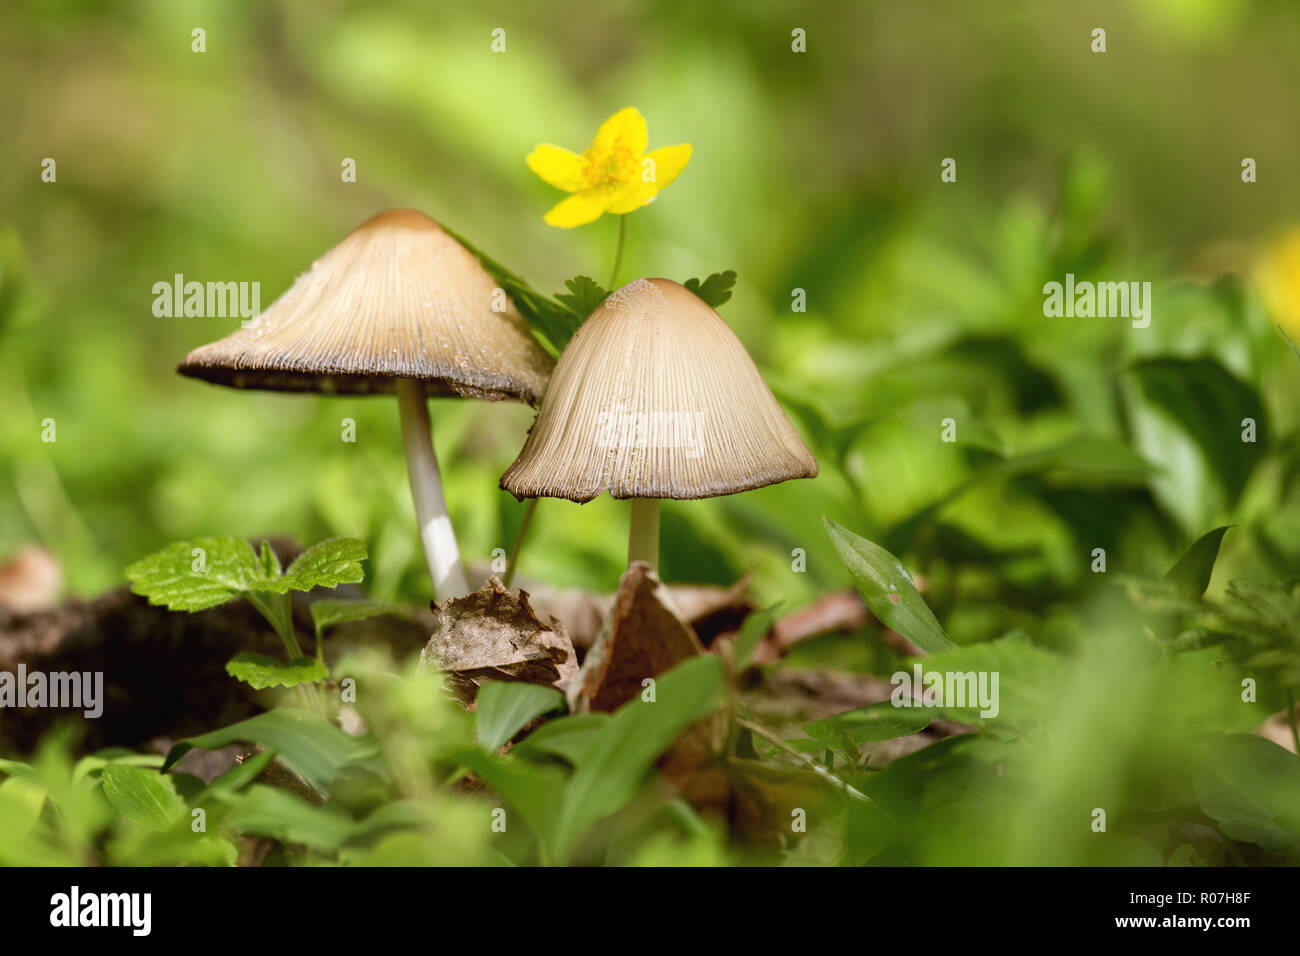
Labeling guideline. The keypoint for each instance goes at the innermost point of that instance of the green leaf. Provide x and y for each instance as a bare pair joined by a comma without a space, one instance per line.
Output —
241,774
275,813
535,791
312,746
269,562
583,297
714,290
331,611
1195,567
1252,787
1208,403
752,631
568,737
888,590
25,771
503,708
882,721
198,574
627,748
146,797
261,672
1030,682
326,565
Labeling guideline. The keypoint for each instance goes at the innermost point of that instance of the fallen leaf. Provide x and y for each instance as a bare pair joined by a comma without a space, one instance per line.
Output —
493,634
644,635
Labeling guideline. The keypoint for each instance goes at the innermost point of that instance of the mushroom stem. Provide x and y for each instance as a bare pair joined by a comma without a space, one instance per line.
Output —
436,532
643,535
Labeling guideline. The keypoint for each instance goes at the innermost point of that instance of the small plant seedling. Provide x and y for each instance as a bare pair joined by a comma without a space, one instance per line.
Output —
207,572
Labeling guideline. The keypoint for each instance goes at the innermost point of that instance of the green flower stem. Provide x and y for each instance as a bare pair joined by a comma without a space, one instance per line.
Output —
512,563
618,252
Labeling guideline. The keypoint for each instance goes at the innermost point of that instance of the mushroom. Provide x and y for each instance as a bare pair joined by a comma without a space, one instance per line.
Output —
397,306
655,397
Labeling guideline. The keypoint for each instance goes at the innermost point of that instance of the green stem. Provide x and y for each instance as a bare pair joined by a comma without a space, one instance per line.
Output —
1290,714
512,562
618,252
845,788
278,611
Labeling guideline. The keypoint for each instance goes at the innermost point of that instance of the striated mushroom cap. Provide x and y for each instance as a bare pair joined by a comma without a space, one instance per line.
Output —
655,397
397,298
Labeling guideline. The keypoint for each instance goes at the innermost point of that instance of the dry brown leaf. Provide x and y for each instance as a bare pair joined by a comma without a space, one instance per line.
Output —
494,635
644,636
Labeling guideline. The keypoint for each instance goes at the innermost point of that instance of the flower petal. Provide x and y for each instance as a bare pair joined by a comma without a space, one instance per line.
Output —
627,125
669,161
559,167
580,208
660,167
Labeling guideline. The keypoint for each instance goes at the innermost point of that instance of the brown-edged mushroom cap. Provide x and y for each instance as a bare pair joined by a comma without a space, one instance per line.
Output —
398,298
656,397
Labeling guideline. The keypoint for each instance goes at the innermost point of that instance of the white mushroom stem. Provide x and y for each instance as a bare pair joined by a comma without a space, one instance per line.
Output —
643,536
436,533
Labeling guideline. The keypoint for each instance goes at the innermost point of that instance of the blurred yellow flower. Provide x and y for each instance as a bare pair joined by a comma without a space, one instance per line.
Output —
615,174
1278,275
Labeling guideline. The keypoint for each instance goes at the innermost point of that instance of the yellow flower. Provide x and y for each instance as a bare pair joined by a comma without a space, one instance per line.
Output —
615,174
1278,275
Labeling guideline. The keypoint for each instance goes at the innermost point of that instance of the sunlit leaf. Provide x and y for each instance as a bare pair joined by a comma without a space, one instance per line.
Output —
888,589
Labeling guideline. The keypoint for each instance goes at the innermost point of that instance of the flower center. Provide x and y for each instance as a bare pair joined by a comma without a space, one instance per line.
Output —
608,165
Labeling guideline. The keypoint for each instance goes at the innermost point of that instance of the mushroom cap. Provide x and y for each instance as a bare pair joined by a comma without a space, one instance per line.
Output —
656,397
397,298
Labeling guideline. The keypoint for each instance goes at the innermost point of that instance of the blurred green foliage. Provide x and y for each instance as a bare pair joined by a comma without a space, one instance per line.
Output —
816,172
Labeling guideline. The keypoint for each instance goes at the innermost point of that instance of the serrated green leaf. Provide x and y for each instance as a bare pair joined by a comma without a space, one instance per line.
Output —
503,708
311,745
714,290
198,574
1194,569
325,565
583,297
260,672
882,721
145,797
888,590
331,611
269,562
